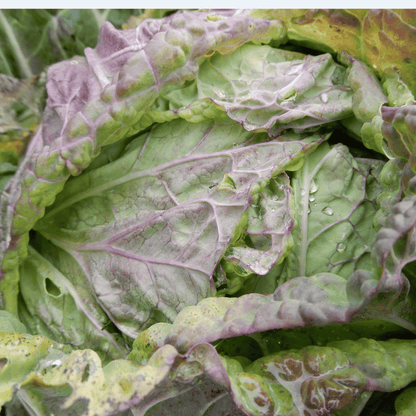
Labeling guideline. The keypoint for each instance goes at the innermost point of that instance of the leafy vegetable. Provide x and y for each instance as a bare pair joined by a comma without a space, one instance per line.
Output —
211,218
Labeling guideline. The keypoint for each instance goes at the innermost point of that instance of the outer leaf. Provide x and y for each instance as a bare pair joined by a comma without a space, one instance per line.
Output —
35,39
96,100
316,380
64,308
9,323
16,363
148,256
366,102
20,106
399,129
264,88
398,92
286,90
393,249
390,179
334,198
134,21
302,301
80,385
388,365
322,380
368,95
405,404
378,38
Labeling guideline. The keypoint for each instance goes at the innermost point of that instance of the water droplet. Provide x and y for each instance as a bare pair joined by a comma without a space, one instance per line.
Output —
315,205
302,192
311,198
328,211
341,247
309,209
324,97
313,188
375,66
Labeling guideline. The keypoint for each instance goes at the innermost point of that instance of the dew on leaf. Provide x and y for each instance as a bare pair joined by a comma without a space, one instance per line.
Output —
341,247
328,211
302,192
313,188
312,198
324,97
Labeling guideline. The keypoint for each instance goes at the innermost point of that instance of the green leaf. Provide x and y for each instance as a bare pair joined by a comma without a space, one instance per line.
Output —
392,249
367,100
16,363
405,404
399,129
390,179
35,39
398,92
9,290
334,197
267,89
63,307
9,323
315,380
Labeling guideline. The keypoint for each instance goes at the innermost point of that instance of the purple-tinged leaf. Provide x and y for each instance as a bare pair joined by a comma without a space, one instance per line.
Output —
97,100
266,89
394,247
399,129
380,38
147,237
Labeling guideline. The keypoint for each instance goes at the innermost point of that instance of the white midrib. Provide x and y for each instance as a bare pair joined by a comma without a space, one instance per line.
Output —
304,224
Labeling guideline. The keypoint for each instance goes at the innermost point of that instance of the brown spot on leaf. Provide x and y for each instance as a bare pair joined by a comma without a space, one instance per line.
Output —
289,368
343,18
260,401
335,17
